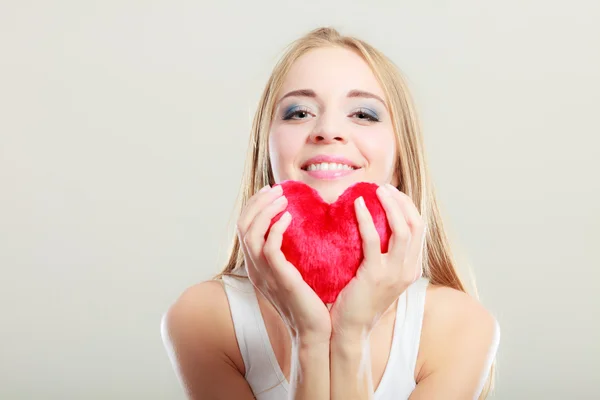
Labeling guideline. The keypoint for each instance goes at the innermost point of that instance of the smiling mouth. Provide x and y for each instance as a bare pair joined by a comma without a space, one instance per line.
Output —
329,171
329,167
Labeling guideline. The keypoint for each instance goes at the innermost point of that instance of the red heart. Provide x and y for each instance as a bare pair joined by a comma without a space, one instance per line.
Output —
323,241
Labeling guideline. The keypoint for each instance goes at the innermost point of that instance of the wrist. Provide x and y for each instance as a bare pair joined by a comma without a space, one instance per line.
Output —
350,343
308,340
308,357
309,372
310,343
351,336
308,353
351,358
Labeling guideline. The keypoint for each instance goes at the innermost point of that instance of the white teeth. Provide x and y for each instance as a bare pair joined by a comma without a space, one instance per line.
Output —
328,167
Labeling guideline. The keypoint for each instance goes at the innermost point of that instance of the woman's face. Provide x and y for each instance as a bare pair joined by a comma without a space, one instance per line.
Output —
331,127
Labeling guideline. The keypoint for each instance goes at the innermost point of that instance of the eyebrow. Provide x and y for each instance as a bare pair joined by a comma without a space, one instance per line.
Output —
362,93
311,93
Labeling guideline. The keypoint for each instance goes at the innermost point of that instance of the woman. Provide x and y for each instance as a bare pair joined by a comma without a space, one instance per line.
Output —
335,112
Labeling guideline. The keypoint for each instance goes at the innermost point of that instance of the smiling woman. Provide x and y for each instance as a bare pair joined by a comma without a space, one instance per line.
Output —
332,107
335,112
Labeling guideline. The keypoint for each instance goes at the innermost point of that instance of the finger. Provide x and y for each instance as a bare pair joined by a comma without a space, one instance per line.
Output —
411,214
264,189
371,243
417,228
414,257
255,237
249,263
400,230
272,248
256,203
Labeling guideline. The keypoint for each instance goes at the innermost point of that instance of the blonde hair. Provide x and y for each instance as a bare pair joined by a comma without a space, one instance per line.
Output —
411,167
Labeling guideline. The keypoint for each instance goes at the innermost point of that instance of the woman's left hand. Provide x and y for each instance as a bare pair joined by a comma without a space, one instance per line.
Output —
381,278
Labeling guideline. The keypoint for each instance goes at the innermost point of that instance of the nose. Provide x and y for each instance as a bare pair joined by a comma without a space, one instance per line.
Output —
326,137
327,132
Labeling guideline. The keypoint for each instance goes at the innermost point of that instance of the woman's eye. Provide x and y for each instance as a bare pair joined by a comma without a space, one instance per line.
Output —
296,114
366,115
301,114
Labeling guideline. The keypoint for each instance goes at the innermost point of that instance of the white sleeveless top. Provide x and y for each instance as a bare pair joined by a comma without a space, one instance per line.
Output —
263,373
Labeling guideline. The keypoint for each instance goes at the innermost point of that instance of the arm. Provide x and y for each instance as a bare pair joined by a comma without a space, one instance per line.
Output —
459,341
303,313
351,369
310,371
196,335
199,338
380,279
462,339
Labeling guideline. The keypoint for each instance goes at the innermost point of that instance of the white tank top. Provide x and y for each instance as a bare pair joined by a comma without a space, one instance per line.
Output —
263,373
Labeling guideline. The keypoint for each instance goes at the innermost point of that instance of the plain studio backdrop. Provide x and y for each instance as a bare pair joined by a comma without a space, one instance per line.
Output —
123,130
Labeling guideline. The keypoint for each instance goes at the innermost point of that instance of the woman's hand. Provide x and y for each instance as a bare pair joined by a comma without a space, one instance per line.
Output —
381,278
305,315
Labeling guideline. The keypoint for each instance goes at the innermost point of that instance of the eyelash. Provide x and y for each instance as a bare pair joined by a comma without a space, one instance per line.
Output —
364,111
370,116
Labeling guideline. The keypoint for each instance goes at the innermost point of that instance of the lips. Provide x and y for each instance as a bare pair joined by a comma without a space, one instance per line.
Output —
329,159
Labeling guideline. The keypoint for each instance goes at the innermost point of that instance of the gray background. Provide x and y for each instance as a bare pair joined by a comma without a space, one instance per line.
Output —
123,128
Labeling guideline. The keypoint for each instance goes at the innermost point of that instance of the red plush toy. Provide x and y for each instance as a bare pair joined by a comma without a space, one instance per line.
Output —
323,241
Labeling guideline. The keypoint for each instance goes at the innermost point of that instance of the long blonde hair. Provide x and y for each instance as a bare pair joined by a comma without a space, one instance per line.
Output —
411,166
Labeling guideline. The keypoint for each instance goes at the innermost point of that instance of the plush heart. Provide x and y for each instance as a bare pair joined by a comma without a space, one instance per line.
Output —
323,241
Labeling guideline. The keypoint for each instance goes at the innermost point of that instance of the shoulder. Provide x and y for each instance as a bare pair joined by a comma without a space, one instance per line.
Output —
459,338
457,311
196,307
199,337
198,323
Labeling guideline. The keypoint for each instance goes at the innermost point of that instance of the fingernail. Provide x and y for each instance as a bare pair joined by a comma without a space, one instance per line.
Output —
361,202
384,191
391,187
278,189
264,189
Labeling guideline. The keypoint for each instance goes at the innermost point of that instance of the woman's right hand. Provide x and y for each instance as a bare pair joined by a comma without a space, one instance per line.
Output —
304,313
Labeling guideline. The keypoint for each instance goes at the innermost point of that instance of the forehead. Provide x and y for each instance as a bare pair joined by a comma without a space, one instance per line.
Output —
331,70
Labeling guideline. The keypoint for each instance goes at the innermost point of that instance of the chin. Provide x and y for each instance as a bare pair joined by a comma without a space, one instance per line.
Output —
330,190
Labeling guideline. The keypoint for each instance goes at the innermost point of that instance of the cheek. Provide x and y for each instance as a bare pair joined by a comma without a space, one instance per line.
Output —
379,148
284,148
